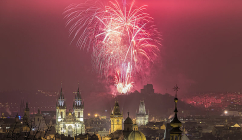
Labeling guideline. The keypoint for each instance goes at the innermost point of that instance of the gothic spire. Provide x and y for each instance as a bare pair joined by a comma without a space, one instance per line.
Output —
175,132
27,107
78,93
176,99
61,93
175,122
61,100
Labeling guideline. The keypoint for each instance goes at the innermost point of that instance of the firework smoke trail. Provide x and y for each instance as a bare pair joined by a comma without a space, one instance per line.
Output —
123,40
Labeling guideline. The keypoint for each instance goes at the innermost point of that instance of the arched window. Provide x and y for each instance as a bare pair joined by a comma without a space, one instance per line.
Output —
78,114
61,114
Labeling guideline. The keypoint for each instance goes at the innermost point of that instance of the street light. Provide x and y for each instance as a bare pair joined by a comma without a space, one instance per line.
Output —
225,112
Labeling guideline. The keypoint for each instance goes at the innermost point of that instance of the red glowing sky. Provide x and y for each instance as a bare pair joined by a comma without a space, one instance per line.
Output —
201,47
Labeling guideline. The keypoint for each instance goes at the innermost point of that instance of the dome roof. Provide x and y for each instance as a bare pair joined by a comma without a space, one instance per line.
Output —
128,121
184,137
175,122
136,135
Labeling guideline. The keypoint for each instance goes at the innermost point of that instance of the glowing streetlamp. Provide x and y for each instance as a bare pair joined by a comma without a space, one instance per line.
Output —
225,112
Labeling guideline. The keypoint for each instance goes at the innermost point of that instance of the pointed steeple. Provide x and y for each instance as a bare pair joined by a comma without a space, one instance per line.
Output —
27,107
78,93
61,99
175,132
142,107
78,102
61,93
175,120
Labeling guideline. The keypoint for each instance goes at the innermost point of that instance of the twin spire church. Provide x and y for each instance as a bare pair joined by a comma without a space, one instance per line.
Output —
70,123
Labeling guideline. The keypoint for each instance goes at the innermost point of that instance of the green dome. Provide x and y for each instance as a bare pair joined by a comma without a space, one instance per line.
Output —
136,135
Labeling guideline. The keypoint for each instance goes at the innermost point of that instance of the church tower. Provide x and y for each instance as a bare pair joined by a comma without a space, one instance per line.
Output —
60,108
26,112
142,118
175,132
22,108
78,108
116,118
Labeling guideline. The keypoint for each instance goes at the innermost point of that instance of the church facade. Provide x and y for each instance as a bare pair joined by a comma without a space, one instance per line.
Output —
142,118
71,122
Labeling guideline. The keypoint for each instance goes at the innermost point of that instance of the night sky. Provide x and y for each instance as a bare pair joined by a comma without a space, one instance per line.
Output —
201,47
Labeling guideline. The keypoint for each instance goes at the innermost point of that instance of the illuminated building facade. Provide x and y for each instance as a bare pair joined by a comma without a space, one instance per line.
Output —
116,118
141,117
71,123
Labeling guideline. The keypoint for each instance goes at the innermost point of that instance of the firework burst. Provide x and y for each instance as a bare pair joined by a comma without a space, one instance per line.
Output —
123,39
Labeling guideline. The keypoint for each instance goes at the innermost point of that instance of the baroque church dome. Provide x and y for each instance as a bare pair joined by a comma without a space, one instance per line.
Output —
184,137
136,135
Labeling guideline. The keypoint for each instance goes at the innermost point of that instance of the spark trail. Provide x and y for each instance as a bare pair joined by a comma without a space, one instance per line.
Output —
123,40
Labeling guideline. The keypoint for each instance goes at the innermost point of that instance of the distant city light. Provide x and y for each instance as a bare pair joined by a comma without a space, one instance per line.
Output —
89,114
95,115
225,112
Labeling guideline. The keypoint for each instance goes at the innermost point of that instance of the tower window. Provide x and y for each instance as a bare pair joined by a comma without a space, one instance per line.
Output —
61,114
78,114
